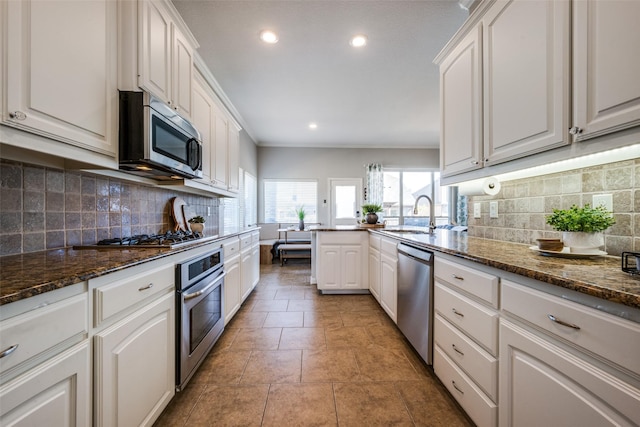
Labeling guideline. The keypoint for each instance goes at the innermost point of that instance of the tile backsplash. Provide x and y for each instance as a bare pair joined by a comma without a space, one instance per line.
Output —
523,205
46,208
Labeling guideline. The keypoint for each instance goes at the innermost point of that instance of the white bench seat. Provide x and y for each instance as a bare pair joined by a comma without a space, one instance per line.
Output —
294,250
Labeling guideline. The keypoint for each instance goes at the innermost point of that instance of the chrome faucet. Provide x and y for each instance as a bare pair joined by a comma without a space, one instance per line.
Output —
432,211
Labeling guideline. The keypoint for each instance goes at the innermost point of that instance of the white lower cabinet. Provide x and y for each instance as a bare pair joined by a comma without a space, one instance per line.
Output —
135,366
134,343
389,283
342,263
45,367
374,266
246,267
232,291
465,337
56,393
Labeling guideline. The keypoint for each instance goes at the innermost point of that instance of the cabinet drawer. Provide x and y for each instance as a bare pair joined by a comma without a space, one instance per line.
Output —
255,237
41,329
611,337
245,241
475,320
115,297
477,363
475,403
477,283
231,248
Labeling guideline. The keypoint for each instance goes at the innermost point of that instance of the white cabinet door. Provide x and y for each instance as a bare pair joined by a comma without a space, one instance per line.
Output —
135,366
60,71
220,153
461,106
330,267
55,393
203,119
351,257
246,273
526,64
606,66
255,265
542,384
154,56
182,73
232,288
374,273
389,285
233,159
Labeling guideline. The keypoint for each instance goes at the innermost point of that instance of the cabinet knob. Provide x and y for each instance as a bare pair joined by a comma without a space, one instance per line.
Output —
474,162
18,115
575,130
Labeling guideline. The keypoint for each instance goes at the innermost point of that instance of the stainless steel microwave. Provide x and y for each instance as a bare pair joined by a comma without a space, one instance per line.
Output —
155,141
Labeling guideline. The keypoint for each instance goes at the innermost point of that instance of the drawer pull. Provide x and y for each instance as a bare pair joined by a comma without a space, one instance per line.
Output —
455,276
8,351
560,322
457,313
456,387
144,288
456,350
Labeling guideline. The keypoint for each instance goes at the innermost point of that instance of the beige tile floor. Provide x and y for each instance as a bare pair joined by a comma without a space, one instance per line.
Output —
292,357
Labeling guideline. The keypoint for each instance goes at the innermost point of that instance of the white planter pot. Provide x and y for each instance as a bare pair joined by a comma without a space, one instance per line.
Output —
197,227
581,242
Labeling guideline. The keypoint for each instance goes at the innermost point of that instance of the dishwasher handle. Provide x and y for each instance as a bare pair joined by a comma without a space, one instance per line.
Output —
420,255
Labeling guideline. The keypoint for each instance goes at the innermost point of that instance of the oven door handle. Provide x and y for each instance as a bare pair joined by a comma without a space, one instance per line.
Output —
196,294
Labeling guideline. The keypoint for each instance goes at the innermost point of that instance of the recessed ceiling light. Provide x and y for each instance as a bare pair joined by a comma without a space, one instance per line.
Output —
268,36
313,126
359,40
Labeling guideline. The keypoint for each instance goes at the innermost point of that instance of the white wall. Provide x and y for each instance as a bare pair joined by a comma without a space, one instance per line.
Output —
324,163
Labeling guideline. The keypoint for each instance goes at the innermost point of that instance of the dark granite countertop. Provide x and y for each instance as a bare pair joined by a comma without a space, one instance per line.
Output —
601,276
26,275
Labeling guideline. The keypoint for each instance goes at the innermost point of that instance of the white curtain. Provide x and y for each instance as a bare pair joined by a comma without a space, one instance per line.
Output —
373,192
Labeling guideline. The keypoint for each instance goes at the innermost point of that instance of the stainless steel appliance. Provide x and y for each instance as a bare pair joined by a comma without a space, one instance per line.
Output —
155,141
171,240
199,311
415,298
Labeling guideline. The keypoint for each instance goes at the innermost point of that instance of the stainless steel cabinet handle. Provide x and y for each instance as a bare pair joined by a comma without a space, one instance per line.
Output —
456,350
144,288
9,351
456,387
457,313
575,130
455,276
560,322
18,115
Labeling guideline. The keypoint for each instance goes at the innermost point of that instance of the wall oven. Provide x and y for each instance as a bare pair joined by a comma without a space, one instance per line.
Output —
199,314
155,141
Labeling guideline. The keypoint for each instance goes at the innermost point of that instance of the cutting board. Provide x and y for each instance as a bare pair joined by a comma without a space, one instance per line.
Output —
177,213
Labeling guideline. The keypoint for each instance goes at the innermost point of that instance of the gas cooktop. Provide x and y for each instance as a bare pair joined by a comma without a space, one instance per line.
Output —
170,240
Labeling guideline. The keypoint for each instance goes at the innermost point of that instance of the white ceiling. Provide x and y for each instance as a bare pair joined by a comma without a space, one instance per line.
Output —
383,95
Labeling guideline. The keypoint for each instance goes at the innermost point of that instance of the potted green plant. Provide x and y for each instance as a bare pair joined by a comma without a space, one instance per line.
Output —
371,212
582,228
301,213
196,224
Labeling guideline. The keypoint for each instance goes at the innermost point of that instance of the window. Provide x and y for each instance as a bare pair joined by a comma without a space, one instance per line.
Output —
283,197
402,188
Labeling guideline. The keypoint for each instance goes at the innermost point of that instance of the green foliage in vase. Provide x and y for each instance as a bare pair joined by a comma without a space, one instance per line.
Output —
196,220
371,208
585,219
301,213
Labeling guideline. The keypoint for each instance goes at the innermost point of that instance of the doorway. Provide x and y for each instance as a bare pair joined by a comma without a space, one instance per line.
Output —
345,201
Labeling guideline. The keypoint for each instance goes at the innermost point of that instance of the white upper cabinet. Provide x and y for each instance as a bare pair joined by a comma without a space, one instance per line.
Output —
221,150
203,120
461,106
526,64
234,159
165,57
60,79
606,67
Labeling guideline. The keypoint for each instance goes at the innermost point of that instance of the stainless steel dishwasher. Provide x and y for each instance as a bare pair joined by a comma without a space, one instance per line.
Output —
415,298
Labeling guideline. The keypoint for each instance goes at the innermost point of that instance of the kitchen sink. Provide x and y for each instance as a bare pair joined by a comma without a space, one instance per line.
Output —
408,231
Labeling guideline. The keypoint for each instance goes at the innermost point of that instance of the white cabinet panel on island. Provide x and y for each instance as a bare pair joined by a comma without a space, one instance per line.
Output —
342,263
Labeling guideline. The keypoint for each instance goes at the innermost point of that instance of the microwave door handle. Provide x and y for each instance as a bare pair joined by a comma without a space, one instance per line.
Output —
194,155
